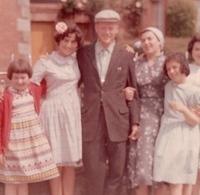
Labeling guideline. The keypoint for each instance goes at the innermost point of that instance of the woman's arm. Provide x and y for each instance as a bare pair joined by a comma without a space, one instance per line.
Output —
190,117
134,104
39,71
196,110
129,93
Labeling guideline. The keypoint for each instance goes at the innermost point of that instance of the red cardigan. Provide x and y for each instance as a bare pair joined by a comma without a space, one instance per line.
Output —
5,112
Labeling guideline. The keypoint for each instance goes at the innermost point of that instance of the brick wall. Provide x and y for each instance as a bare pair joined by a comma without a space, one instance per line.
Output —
9,35
15,30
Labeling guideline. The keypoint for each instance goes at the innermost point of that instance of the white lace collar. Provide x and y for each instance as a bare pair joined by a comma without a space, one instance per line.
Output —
62,60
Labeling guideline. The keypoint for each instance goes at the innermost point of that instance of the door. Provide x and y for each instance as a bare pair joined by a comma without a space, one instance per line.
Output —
42,38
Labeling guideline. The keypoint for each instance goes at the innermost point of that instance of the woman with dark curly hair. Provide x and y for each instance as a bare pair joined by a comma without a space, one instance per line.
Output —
60,111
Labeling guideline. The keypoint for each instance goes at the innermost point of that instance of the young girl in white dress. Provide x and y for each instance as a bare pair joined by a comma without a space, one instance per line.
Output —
177,145
25,154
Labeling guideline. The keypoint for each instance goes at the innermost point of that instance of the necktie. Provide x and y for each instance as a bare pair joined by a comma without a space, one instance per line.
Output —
103,64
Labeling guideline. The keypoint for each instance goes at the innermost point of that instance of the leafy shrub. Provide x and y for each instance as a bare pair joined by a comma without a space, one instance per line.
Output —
181,18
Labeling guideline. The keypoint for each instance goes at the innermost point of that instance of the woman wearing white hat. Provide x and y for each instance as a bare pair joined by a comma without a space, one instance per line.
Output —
151,81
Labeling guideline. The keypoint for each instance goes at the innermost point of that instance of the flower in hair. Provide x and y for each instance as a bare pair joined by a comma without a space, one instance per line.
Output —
61,27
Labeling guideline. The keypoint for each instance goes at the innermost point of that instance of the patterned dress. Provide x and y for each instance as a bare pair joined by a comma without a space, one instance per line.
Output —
177,145
151,81
60,110
28,157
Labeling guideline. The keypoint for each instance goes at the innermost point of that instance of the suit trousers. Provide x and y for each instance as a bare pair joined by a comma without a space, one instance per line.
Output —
104,162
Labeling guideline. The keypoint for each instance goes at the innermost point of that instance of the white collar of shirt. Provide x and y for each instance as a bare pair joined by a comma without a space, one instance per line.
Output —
63,60
99,47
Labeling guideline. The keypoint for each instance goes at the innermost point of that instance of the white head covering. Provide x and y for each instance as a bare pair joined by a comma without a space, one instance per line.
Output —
107,15
158,34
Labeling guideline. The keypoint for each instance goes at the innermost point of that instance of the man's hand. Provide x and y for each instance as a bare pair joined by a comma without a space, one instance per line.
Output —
129,93
129,49
135,133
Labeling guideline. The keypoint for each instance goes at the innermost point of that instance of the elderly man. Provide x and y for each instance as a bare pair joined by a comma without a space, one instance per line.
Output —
107,118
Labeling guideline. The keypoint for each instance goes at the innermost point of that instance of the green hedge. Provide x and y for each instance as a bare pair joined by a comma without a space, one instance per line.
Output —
181,18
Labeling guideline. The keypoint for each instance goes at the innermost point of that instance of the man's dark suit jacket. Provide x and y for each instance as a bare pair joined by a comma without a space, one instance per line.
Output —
119,114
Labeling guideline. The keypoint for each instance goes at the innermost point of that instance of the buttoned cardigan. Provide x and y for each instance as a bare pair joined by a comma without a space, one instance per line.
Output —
5,112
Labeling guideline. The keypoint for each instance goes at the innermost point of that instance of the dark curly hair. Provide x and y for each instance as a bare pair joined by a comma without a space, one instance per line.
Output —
179,58
193,40
72,28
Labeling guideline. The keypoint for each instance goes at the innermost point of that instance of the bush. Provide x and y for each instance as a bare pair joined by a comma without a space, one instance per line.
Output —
132,14
181,18
89,7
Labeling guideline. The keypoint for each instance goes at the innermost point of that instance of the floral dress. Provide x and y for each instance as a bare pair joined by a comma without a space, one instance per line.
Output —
151,81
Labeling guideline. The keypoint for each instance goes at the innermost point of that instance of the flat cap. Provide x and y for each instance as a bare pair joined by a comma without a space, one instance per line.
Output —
107,15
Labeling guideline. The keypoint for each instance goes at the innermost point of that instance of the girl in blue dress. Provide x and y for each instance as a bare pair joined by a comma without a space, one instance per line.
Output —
177,146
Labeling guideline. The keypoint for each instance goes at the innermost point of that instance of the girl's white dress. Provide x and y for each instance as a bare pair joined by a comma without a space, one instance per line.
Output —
60,111
177,145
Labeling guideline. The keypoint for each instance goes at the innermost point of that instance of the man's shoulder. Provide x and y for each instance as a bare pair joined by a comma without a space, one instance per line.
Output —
86,48
123,51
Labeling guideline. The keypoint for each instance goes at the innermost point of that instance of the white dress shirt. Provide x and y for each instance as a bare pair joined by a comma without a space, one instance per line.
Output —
103,57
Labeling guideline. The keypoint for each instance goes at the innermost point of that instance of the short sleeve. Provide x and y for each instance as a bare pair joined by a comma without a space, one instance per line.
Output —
39,71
